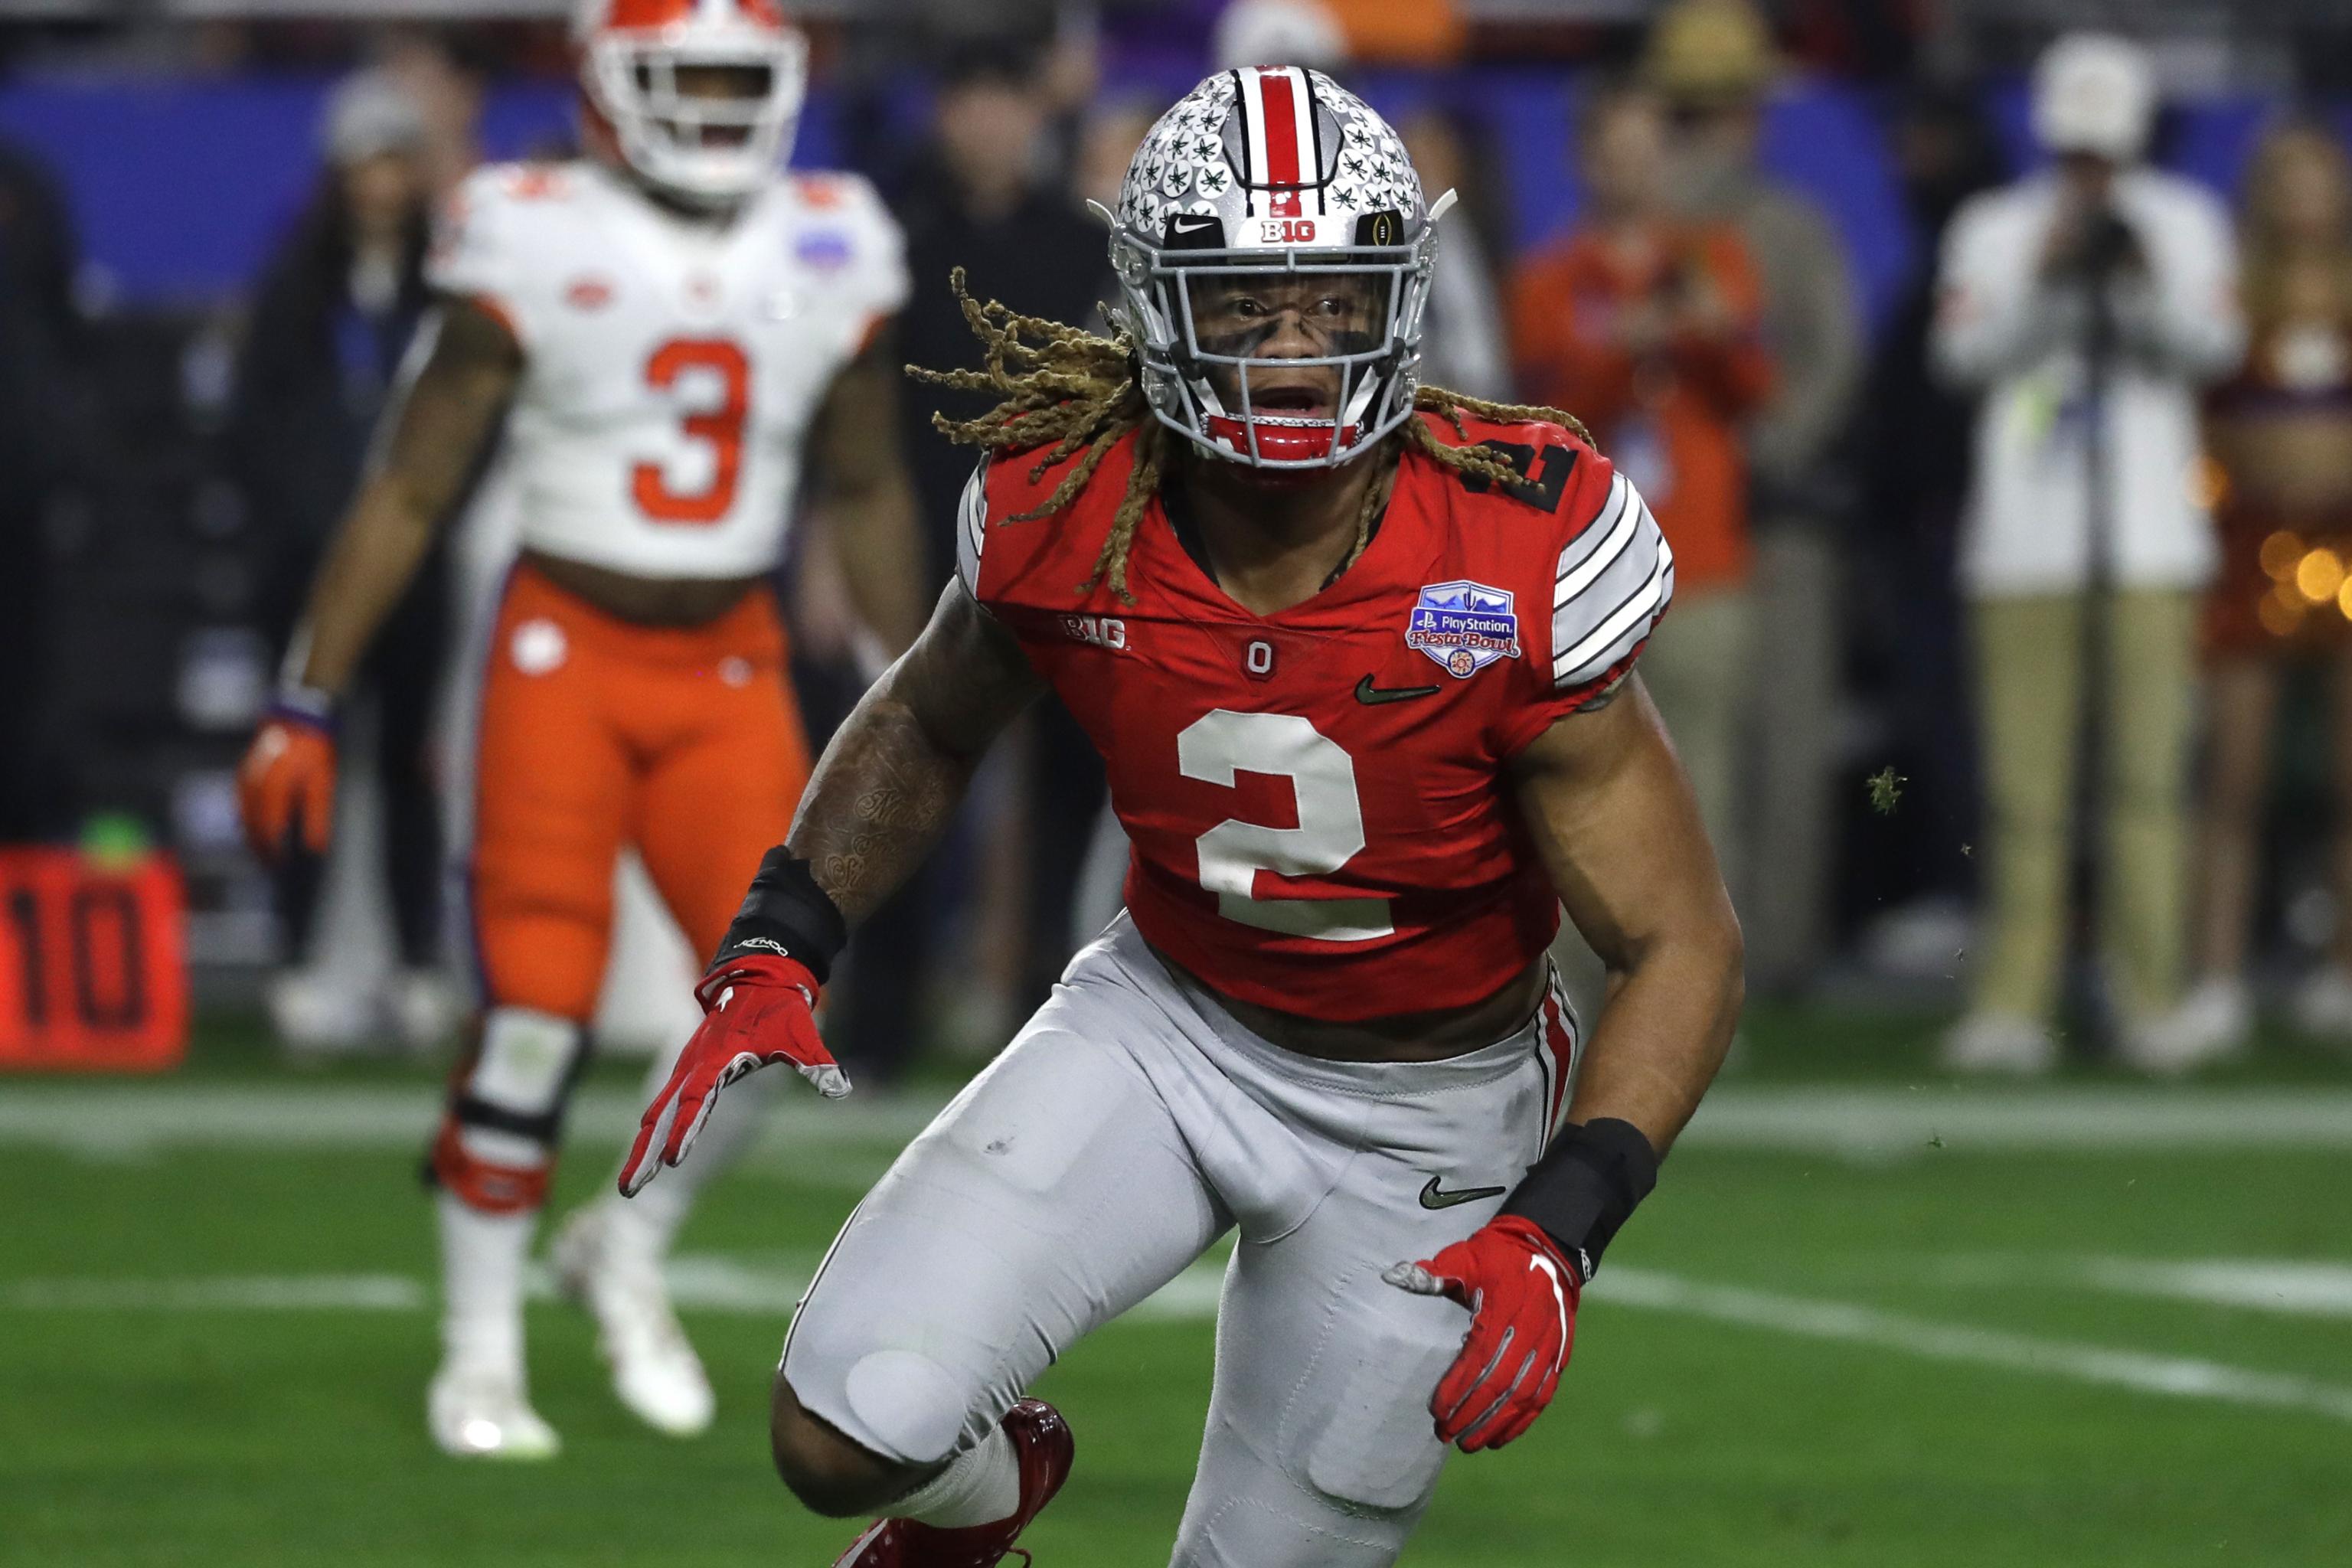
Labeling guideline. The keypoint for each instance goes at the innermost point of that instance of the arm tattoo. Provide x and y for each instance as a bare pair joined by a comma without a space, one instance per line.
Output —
895,770
875,805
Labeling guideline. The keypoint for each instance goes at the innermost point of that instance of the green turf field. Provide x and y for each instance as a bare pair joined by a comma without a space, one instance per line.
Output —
1873,1320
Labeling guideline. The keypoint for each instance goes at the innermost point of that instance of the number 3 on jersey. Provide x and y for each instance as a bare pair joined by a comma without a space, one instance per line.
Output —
1329,834
715,373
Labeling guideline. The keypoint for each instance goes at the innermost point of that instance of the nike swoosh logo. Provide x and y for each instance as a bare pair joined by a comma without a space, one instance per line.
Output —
1366,693
1434,1198
1194,225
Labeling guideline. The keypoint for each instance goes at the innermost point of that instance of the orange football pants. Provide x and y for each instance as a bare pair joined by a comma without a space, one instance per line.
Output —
597,732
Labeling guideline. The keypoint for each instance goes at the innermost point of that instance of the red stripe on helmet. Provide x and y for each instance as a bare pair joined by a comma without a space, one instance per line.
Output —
634,13
1282,149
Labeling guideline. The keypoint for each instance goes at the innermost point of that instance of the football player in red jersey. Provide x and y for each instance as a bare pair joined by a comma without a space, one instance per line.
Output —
1358,656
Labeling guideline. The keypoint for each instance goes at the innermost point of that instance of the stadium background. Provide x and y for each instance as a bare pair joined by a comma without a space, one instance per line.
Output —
1873,1316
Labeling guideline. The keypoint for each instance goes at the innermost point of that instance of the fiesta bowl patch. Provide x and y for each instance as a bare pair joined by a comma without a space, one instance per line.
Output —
1466,626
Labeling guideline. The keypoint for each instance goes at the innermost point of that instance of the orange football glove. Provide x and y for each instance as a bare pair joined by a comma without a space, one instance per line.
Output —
286,782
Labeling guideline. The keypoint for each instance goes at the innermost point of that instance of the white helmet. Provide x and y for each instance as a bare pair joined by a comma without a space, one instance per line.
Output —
1274,180
708,151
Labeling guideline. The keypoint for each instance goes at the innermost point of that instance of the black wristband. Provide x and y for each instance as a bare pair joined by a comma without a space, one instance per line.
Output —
787,912
1585,1186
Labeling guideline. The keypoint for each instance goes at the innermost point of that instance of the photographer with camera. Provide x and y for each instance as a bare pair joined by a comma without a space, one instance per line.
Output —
2090,301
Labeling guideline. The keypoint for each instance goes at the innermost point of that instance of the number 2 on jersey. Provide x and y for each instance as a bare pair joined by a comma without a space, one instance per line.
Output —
1329,834
720,426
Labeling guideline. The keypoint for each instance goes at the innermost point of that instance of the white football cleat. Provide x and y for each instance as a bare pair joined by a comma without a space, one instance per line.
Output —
315,1017
2211,1025
655,1372
2000,1043
482,1413
424,1007
2322,1006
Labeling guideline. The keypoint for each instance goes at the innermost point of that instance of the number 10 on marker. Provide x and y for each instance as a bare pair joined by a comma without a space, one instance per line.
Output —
93,972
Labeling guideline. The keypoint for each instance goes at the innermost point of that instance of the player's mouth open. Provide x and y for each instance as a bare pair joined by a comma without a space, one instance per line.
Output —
1293,402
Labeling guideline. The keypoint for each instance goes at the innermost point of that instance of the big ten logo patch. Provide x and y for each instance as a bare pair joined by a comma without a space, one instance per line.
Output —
93,972
1102,631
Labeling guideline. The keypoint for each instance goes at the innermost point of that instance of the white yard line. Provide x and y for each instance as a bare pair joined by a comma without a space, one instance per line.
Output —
698,1282
226,1293
134,1119
708,1283
1852,1323
2298,1288
126,1120
1876,1123
2301,1287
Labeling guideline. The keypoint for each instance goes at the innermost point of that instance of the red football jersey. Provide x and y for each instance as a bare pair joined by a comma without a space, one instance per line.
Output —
1316,799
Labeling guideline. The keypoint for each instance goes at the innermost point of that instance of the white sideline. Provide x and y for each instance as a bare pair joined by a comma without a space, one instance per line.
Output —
727,1285
1852,1323
125,1119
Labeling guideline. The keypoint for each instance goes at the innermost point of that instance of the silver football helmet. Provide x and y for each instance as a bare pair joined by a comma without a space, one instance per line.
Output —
1274,253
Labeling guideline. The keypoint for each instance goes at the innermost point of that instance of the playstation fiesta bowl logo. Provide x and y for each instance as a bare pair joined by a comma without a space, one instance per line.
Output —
1466,626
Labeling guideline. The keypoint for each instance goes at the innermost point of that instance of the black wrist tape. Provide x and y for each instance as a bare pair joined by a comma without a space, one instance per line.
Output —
786,912
1585,1186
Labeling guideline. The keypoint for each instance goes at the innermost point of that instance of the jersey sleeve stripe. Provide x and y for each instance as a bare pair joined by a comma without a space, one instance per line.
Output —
1623,628
972,528
1590,553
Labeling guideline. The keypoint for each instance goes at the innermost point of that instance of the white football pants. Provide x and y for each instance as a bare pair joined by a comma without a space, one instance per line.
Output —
1128,1126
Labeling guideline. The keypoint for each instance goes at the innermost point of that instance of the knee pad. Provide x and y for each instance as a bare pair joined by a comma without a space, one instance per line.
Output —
908,1403
900,1404
496,1143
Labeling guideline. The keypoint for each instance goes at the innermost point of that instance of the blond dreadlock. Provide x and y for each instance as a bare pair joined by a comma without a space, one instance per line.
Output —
1066,390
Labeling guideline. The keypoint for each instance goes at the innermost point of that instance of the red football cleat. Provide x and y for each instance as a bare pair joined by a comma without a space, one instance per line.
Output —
1043,1439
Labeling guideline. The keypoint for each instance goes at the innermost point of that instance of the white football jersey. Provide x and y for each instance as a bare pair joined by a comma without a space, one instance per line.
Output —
671,366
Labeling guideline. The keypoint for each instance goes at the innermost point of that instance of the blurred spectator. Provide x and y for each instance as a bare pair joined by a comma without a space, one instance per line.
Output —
1713,61
2091,301
40,339
1644,324
1912,446
332,322
1279,33
1462,335
982,200
447,83
1106,144
2282,432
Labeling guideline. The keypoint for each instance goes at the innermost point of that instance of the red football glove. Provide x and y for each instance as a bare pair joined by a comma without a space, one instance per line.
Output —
1522,1298
286,783
757,1008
